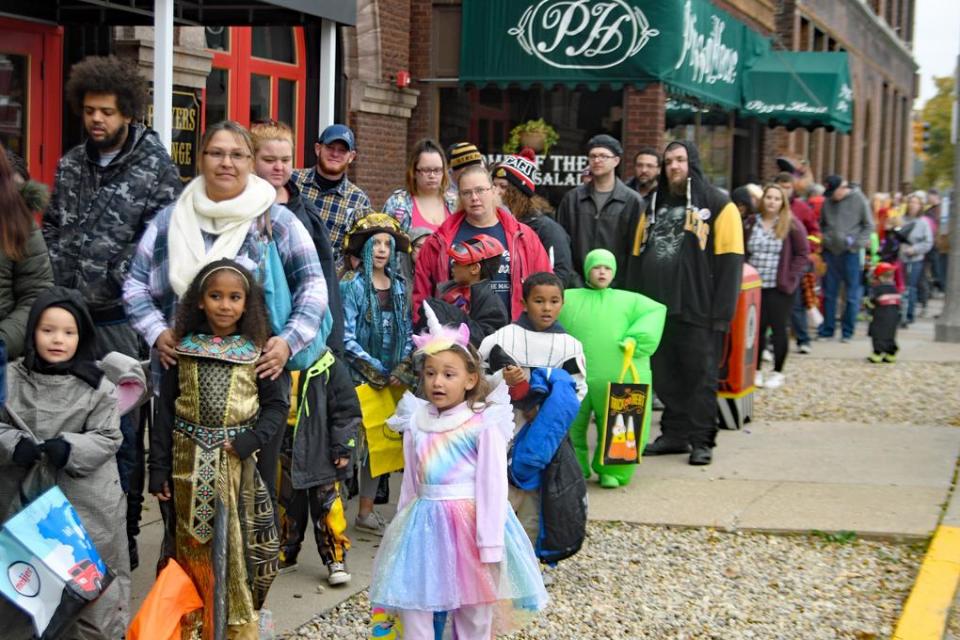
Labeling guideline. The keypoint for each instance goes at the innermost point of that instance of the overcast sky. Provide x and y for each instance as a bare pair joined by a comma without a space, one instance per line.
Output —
936,42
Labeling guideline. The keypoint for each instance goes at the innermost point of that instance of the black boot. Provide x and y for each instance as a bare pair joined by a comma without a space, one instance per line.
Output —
662,447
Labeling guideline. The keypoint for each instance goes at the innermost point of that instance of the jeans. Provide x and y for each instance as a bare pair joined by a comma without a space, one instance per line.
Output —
914,272
844,268
798,318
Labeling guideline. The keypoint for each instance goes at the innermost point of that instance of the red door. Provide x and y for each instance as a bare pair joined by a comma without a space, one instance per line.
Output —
30,94
258,73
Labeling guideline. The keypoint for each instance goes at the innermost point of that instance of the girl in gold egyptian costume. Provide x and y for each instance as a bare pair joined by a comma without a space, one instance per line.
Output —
214,414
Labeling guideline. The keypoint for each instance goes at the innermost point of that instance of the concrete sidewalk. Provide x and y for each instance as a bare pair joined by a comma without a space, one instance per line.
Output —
884,480
877,480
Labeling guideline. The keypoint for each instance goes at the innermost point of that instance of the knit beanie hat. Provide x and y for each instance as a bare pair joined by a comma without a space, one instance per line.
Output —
607,142
463,154
599,258
520,171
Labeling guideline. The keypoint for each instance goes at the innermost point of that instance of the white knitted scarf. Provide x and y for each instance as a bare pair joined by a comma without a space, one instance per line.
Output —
229,220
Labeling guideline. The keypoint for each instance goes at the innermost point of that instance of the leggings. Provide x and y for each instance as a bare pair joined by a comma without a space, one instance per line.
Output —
775,308
469,623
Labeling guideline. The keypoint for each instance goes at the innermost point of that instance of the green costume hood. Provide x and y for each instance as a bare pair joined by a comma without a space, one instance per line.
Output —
599,258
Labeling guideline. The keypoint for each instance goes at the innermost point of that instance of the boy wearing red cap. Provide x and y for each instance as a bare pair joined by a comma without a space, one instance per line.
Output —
885,303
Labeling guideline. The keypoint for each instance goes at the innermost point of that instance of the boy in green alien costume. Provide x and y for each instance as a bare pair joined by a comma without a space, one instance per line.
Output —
607,321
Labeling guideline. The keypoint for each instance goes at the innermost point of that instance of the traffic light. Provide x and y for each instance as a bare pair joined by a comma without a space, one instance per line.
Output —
926,137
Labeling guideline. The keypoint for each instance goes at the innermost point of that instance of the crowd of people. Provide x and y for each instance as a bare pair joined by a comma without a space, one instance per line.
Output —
269,301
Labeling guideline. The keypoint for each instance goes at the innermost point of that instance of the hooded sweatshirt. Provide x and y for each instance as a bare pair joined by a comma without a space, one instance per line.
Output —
846,225
688,254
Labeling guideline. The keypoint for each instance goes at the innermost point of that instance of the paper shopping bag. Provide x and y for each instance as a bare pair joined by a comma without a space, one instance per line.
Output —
626,407
385,446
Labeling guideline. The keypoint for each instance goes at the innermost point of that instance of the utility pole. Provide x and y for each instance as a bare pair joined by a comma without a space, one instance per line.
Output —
947,328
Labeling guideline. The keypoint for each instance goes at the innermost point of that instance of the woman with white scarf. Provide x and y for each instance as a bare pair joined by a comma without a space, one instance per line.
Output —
225,212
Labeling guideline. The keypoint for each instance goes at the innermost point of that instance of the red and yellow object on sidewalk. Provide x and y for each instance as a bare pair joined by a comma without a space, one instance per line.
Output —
738,362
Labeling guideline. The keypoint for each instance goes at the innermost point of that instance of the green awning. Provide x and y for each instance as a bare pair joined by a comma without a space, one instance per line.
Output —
809,89
692,47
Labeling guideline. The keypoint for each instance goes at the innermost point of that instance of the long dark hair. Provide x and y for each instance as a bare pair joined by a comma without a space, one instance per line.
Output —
16,222
255,321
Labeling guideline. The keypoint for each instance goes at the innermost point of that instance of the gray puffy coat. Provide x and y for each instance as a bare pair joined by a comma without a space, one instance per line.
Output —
87,418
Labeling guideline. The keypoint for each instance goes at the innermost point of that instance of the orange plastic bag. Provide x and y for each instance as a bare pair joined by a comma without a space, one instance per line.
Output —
172,596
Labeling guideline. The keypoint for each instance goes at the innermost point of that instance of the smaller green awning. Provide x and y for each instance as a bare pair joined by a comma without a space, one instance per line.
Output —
793,89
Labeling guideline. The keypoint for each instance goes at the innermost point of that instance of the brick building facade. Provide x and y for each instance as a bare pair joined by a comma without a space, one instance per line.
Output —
422,37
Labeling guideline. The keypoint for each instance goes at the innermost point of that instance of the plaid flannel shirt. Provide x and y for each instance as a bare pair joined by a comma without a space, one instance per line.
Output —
151,303
339,208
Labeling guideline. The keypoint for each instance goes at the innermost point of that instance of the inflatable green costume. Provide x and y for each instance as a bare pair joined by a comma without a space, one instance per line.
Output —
606,321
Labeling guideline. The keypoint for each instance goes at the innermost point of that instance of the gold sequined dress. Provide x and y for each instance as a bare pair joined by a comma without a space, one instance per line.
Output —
218,401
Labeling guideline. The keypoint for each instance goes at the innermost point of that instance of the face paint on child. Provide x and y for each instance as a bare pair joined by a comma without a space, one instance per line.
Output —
601,276
56,336
543,305
224,300
446,380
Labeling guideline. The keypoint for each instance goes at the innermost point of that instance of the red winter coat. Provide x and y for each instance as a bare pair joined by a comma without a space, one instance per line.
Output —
527,256
810,221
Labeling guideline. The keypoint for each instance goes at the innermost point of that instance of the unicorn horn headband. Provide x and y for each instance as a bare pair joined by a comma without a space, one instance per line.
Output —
437,337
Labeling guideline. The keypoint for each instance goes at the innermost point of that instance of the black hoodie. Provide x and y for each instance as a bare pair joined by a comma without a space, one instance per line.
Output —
83,364
689,255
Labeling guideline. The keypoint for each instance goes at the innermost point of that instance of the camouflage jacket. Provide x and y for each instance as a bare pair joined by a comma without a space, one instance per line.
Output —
97,214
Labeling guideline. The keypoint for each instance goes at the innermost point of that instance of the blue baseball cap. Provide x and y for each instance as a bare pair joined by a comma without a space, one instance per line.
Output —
340,132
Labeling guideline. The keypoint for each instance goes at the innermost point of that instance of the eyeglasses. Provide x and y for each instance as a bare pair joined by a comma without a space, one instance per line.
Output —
236,157
430,172
479,191
600,157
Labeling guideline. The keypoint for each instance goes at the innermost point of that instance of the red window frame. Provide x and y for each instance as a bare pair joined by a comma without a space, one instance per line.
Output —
43,46
240,65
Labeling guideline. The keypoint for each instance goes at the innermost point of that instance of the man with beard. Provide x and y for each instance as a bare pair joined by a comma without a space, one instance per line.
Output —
106,191
687,253
646,170
338,201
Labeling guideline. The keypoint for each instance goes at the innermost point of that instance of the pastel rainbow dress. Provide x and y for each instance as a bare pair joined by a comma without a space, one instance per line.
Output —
455,540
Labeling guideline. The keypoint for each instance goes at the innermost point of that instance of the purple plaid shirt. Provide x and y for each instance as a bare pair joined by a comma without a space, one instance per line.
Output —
151,303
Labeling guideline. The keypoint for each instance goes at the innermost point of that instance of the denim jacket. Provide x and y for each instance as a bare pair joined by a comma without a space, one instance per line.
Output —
358,330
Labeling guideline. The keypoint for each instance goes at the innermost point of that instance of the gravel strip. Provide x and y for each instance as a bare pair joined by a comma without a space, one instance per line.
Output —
632,581
857,391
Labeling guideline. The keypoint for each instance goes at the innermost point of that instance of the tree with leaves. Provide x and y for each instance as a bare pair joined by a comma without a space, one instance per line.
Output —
938,165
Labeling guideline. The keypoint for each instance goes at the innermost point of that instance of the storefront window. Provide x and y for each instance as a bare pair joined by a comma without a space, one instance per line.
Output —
217,98
286,102
274,43
259,97
13,101
486,116
709,129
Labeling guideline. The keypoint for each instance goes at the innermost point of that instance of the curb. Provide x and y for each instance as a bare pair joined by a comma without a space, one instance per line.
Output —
925,612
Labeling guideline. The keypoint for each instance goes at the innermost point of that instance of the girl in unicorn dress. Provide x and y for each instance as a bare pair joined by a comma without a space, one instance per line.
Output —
455,544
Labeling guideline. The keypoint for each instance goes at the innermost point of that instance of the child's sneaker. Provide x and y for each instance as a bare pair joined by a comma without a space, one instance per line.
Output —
875,358
804,348
371,523
338,574
889,358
